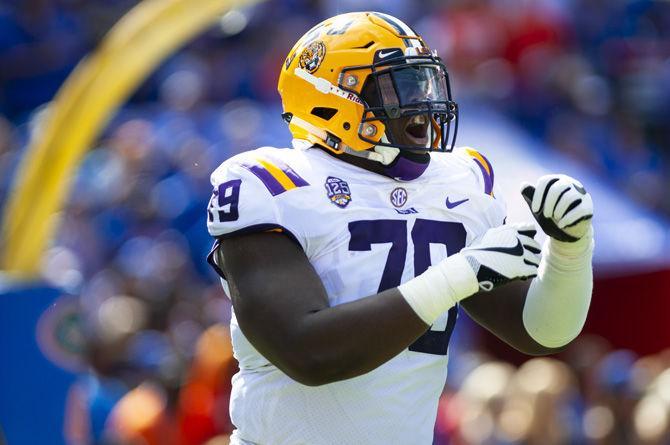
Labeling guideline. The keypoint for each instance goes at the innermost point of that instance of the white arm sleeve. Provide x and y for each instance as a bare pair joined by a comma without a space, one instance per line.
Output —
559,297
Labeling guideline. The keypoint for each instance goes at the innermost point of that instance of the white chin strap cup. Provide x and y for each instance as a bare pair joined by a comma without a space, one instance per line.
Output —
385,155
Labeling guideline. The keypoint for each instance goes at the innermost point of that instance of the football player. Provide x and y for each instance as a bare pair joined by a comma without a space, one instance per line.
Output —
347,258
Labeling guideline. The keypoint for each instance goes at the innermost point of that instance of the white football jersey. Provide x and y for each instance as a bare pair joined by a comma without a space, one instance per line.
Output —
363,233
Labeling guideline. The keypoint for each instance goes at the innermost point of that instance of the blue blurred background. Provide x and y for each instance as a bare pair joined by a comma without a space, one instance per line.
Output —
134,321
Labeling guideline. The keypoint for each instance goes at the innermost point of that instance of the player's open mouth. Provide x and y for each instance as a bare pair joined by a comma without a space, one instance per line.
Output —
417,128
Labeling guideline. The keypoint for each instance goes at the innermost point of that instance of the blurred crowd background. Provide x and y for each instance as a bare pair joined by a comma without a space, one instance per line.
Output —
590,78
589,394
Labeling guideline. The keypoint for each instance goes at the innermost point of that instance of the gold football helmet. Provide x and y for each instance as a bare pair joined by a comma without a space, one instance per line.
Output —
365,80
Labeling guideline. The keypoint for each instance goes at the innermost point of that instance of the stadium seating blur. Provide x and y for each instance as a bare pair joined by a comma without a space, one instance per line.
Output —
587,80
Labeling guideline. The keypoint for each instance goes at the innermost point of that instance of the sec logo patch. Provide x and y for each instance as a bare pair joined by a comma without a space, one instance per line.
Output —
398,197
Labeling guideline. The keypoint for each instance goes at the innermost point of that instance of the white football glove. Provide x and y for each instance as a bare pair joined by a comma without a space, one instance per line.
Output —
561,206
504,254
500,255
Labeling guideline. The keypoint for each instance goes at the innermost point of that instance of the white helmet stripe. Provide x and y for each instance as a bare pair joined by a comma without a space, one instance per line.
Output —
406,30
402,29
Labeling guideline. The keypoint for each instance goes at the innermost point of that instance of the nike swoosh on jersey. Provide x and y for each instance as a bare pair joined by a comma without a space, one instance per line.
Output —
451,205
516,250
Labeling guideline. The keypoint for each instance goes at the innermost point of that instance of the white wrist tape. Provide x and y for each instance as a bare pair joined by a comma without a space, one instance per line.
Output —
440,287
559,297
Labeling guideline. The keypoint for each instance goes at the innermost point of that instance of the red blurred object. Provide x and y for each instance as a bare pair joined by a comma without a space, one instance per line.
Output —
203,401
141,417
631,312
532,30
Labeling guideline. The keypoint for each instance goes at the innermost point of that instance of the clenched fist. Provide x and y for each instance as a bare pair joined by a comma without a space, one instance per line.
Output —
561,206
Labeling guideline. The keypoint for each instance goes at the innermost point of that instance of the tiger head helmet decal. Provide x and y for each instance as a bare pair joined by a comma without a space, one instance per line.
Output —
312,56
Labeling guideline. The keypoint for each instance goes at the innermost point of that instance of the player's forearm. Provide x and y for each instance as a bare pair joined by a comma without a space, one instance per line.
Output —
283,310
351,339
354,338
542,316
340,342
559,297
500,312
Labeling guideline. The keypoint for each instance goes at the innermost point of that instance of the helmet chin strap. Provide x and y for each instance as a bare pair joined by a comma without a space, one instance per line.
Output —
384,155
387,154
401,166
397,165
379,153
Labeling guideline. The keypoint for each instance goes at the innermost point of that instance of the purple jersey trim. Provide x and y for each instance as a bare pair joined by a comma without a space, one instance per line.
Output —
490,169
266,178
297,179
293,176
270,181
405,169
488,178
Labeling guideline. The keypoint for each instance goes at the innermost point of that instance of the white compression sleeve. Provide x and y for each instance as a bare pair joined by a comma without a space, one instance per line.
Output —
440,287
559,297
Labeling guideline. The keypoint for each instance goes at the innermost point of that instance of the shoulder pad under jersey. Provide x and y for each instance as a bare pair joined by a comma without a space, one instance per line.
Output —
245,192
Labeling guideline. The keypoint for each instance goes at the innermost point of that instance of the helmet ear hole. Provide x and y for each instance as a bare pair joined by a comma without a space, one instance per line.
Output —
324,113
